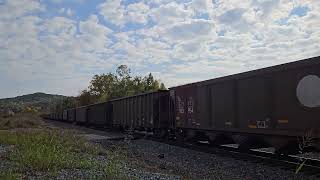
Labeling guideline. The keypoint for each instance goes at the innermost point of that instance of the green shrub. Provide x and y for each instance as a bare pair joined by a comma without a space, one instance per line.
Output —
48,150
9,175
21,120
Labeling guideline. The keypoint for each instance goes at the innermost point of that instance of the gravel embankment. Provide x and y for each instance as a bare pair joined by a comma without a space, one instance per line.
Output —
146,159
126,170
4,164
192,164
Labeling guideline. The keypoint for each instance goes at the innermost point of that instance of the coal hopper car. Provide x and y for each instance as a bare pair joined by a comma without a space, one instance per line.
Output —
71,117
81,115
98,115
272,106
147,112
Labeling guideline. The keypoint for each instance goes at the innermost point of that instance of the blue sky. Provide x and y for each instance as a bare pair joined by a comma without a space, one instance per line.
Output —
56,46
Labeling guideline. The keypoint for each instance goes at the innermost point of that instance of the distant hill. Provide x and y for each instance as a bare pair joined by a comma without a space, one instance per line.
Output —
38,100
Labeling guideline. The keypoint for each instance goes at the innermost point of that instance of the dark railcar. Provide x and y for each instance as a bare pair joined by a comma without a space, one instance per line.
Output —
60,116
65,115
71,115
148,111
81,115
99,115
282,100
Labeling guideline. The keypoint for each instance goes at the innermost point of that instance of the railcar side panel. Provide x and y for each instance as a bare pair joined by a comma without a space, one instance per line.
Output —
222,103
65,115
204,107
186,107
81,115
97,114
297,99
163,110
149,110
254,103
138,121
71,115
280,100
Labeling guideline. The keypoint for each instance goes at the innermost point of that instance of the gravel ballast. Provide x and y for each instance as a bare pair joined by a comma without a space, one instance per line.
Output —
146,159
190,164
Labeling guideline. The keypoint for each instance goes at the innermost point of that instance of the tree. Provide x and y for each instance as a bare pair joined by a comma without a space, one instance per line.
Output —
62,104
109,86
85,98
162,87
102,84
123,71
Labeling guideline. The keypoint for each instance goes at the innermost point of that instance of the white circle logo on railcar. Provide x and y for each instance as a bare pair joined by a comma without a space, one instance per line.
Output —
308,91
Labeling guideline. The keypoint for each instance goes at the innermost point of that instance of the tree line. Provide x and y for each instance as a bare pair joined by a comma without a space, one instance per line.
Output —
109,86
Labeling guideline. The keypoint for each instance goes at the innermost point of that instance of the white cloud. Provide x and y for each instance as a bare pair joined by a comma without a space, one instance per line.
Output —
13,8
116,13
72,1
202,6
194,29
112,11
181,41
170,13
137,13
67,11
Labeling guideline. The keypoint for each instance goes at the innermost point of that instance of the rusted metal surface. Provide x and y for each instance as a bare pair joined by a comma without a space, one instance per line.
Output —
283,99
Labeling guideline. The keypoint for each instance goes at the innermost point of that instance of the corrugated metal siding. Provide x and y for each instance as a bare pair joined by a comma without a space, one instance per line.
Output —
263,101
186,107
254,106
81,114
97,114
138,111
71,115
65,115
222,105
204,107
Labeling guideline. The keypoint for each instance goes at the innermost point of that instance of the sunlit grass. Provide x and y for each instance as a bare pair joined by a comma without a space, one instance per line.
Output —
21,120
38,148
48,151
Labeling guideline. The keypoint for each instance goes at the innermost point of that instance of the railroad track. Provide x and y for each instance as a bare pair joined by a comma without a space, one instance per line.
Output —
310,166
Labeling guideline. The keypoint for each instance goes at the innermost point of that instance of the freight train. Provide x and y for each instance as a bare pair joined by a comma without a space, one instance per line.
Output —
278,107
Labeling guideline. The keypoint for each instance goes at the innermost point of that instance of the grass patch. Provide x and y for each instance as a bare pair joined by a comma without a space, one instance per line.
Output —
38,148
49,150
21,120
112,169
10,175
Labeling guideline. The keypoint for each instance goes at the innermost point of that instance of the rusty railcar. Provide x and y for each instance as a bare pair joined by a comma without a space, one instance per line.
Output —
71,115
147,111
81,115
274,105
99,115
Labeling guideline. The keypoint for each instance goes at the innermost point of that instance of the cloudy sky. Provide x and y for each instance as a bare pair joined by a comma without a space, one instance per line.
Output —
56,46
